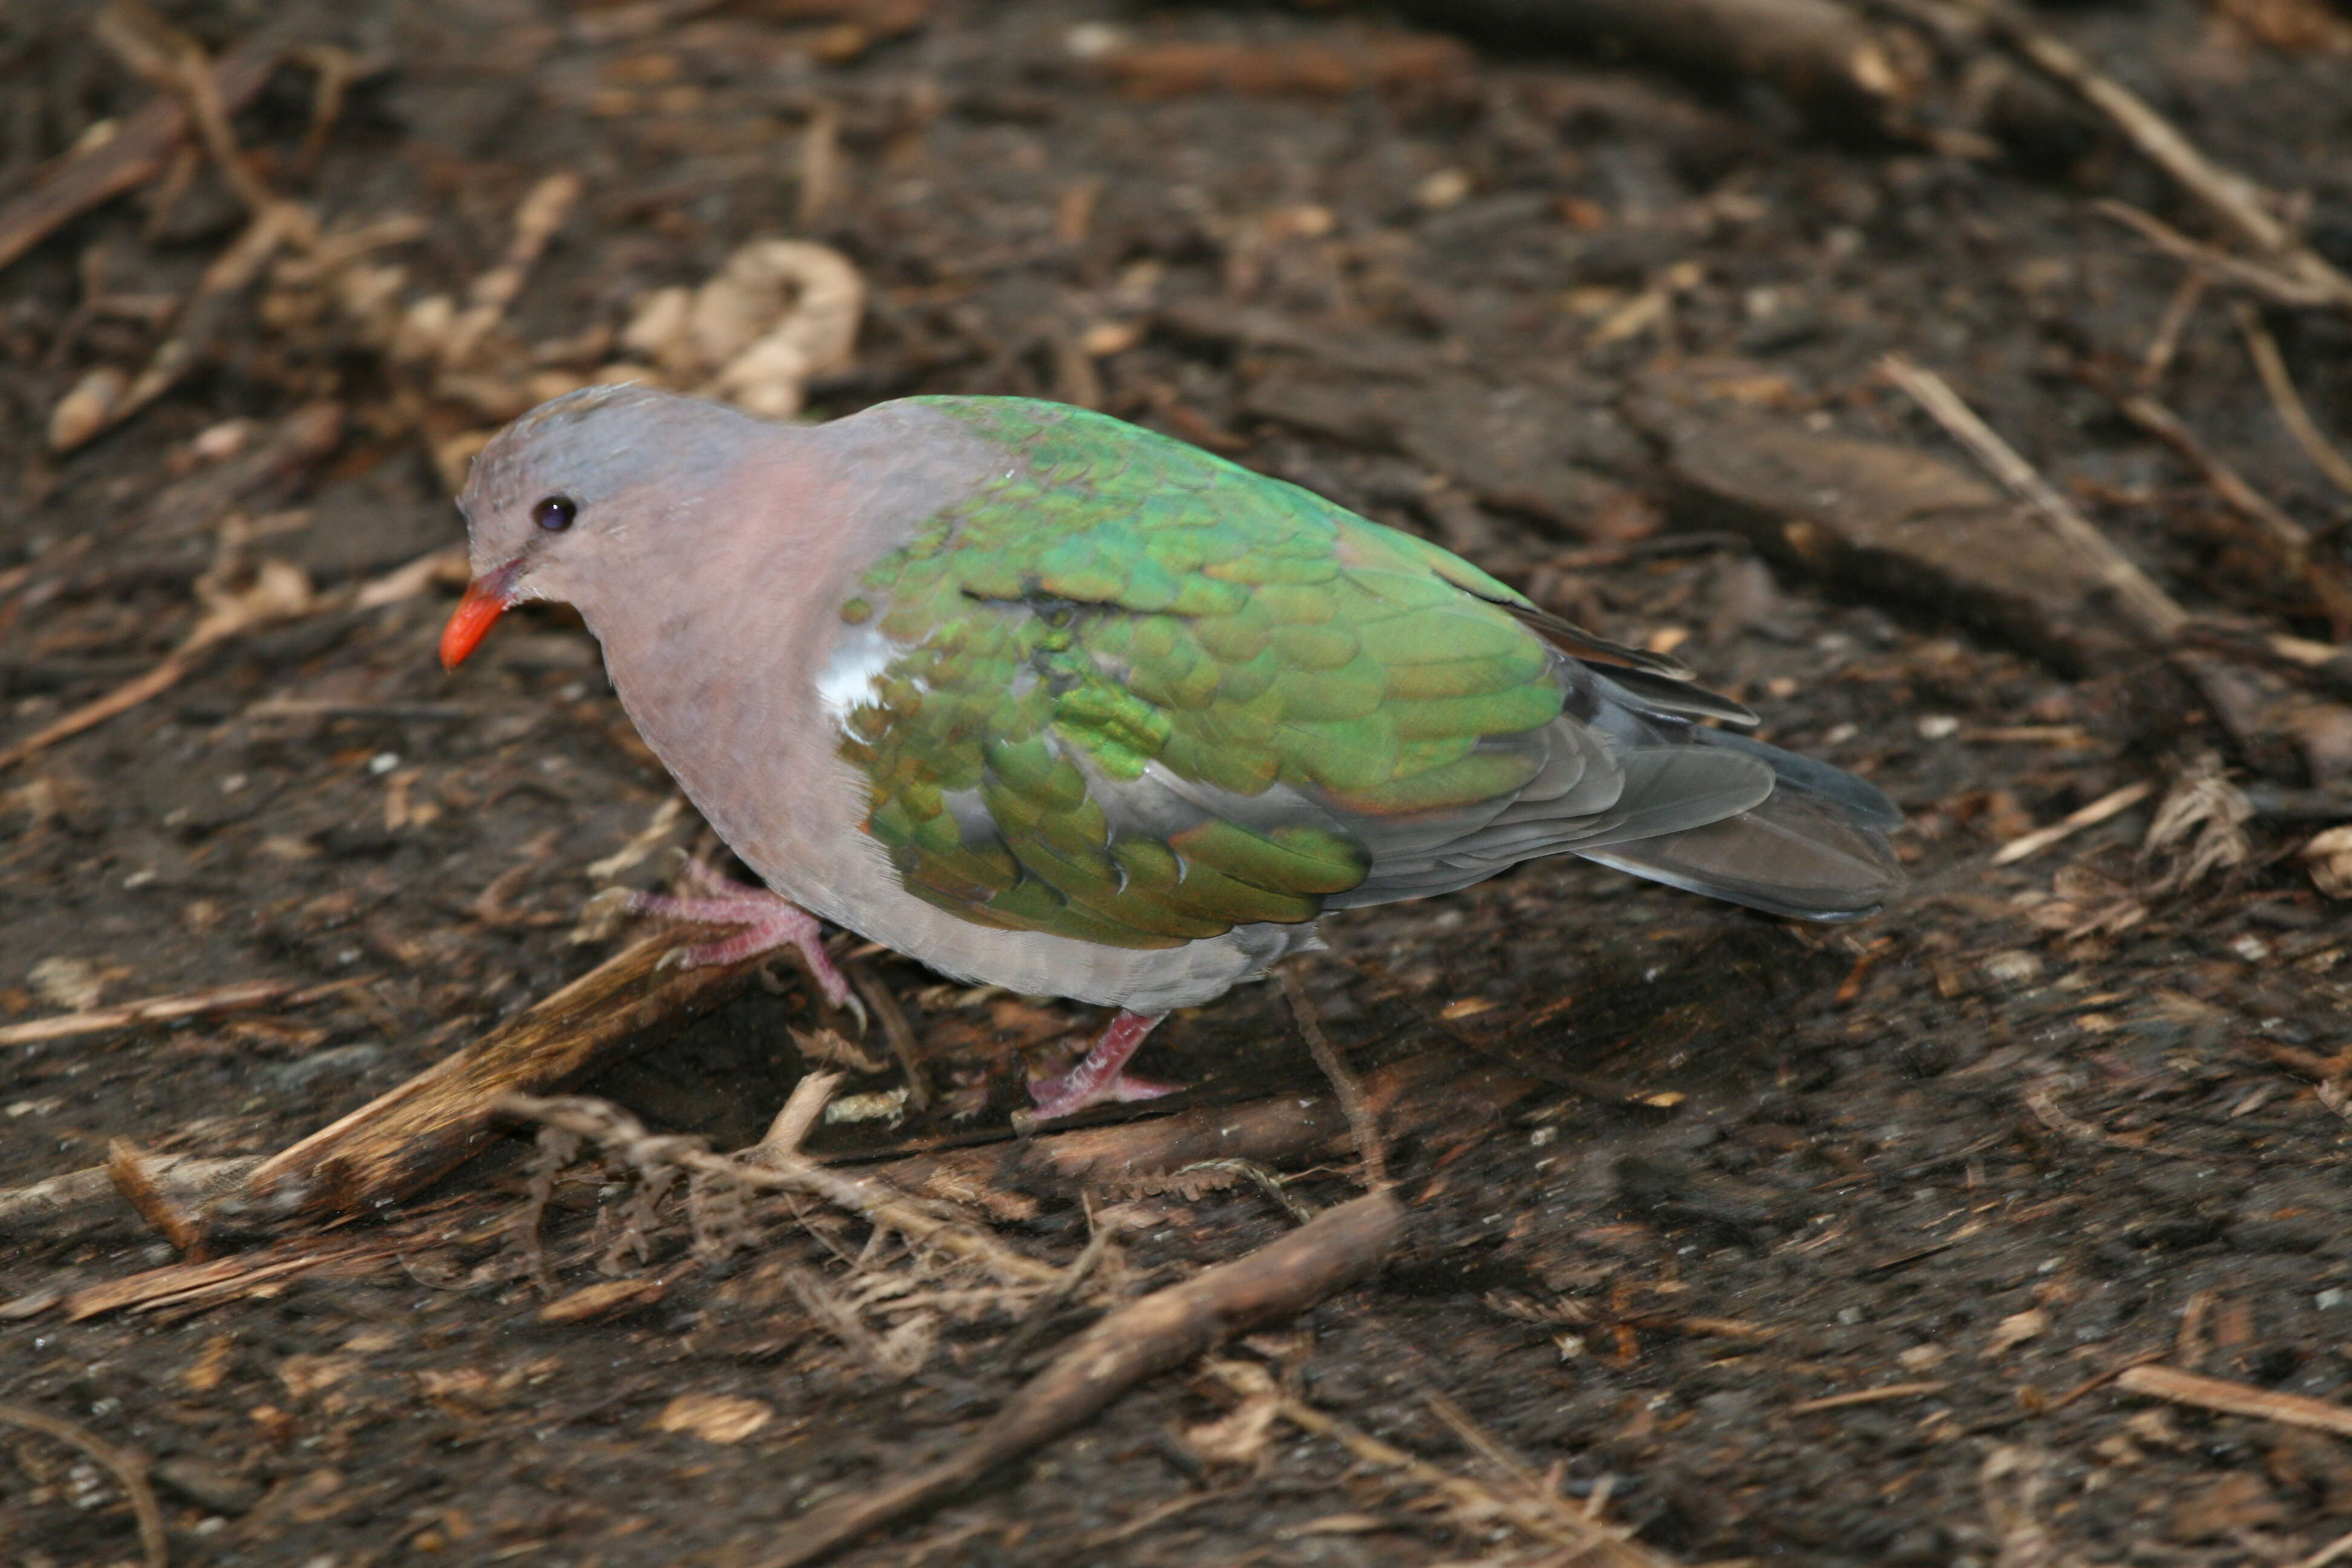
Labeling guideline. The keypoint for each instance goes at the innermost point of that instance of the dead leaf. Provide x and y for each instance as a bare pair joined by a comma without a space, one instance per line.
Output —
2015,1329
305,1376
2330,856
714,1417
779,313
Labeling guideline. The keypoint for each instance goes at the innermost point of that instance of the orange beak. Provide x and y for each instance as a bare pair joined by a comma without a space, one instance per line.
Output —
487,598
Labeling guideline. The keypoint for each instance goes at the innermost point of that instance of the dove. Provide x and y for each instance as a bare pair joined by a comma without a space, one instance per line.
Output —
1049,702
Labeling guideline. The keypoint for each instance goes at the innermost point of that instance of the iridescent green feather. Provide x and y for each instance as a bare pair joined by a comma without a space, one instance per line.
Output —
1118,599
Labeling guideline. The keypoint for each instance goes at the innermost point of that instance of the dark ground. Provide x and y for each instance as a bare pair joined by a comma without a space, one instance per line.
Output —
2055,1119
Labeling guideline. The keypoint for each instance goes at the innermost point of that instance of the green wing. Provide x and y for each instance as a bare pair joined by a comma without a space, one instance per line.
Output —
1132,693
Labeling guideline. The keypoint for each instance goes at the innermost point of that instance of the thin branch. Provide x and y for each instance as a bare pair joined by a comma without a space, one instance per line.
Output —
1362,1125
124,1468
1147,1336
2112,803
880,1206
801,1108
2292,537
895,1030
2241,206
2153,610
2293,413
2267,281
153,1010
2237,1398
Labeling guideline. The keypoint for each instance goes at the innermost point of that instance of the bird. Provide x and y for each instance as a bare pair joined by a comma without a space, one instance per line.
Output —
1051,701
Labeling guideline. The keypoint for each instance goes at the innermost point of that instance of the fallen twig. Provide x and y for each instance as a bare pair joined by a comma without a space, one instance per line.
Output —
2335,1550
79,1200
2042,1099
103,399
2293,413
2237,1398
171,60
1546,1517
2114,802
1363,1126
2267,281
126,1472
776,1170
2237,202
151,1010
403,1139
127,160
2292,539
1864,1396
800,1112
219,1280
895,1030
1210,1145
1163,1329
2150,608
237,595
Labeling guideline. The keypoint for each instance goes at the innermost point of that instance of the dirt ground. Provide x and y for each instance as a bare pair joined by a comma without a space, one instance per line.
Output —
1805,1245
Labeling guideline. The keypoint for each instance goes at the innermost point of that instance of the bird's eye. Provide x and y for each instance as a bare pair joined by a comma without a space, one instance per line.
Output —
554,514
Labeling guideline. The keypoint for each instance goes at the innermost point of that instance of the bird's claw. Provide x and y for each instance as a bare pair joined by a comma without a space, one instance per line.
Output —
854,1006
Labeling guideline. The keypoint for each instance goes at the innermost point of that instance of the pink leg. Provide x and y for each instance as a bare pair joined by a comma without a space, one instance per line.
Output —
767,921
1098,1077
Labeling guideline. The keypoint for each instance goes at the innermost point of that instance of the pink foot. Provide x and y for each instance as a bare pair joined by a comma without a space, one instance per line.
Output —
768,922
1099,1078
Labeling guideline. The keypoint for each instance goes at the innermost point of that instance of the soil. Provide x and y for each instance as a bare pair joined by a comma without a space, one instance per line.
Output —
1962,1163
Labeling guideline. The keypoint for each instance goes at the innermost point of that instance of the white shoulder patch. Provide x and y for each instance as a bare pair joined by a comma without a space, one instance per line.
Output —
848,678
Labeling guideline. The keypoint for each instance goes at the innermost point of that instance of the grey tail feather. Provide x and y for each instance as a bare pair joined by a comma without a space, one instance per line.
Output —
1815,849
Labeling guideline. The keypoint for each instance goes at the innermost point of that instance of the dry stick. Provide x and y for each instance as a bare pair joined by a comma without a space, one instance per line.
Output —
2237,1398
400,583
895,1030
2335,1550
801,1108
2153,610
2268,282
129,159
128,1168
124,1468
2291,410
403,1139
171,60
2112,803
874,1201
1363,1127
276,224
544,209
1545,1518
2236,201
2042,1098
220,1279
2166,342
121,700
85,1199
153,1010
2292,537
1162,1331
1864,1396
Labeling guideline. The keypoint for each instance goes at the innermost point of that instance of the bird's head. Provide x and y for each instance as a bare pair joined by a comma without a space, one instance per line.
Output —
565,502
